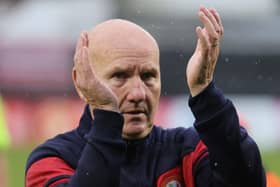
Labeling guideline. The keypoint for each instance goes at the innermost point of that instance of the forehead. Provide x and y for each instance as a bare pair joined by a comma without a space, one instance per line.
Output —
128,58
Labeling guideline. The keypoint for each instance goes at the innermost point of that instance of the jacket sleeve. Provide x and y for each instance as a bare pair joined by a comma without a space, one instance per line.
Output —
234,158
99,164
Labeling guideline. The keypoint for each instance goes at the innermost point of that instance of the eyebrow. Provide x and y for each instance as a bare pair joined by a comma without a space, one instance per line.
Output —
133,52
151,69
130,67
123,67
119,68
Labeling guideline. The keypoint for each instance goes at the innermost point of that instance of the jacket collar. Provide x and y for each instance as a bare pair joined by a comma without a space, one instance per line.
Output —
85,123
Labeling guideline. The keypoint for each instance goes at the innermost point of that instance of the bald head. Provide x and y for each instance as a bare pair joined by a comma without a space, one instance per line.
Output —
118,34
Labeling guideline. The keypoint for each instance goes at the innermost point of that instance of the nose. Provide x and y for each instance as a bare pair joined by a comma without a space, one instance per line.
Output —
136,92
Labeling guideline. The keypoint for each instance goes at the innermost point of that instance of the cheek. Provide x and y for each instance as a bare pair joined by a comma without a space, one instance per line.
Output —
156,91
120,92
154,99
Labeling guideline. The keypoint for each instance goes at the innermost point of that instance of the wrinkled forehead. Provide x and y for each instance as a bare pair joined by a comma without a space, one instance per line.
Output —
127,58
125,53
122,54
118,47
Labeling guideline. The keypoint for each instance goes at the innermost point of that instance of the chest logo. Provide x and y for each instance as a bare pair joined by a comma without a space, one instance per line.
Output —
174,183
171,178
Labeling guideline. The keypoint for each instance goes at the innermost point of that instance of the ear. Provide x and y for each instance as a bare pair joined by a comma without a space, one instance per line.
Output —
75,78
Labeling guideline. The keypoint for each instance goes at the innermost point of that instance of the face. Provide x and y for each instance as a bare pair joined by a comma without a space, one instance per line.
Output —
134,76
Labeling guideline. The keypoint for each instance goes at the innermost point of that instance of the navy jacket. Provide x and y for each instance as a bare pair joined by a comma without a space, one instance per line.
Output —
217,152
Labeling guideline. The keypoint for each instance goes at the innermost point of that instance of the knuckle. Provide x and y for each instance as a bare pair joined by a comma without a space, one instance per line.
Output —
221,30
215,37
206,50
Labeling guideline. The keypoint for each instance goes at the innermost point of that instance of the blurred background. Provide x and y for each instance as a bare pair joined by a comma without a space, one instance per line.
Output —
37,41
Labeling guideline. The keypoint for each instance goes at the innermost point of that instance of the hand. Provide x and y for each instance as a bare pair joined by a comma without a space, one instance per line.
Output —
202,64
91,89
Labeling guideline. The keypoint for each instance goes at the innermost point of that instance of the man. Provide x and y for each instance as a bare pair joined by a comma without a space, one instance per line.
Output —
117,73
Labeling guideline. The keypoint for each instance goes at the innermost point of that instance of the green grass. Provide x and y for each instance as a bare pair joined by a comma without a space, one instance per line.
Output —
271,161
16,159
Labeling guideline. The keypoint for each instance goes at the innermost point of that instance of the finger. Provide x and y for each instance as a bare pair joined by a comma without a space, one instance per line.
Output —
84,39
208,25
88,68
85,56
79,65
218,19
79,42
216,15
82,70
211,18
77,57
202,38
78,48
84,62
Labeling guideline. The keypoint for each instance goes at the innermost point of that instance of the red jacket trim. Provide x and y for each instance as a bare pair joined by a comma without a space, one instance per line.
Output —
44,170
190,161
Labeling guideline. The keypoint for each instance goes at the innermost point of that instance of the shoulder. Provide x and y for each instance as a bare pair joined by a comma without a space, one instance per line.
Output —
67,146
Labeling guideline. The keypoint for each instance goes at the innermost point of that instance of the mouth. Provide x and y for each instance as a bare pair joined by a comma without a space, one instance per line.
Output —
135,117
135,112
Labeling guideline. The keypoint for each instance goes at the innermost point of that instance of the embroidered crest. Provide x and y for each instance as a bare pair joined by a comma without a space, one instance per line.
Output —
171,178
173,183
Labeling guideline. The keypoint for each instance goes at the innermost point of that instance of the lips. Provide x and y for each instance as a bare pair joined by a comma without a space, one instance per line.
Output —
134,116
135,112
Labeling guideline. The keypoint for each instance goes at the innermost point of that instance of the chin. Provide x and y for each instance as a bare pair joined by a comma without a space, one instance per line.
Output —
136,130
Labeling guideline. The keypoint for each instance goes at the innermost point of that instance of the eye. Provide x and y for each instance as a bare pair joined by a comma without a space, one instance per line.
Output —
120,75
147,76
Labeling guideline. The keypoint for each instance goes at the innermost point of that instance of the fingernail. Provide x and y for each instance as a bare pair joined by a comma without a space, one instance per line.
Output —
200,13
83,34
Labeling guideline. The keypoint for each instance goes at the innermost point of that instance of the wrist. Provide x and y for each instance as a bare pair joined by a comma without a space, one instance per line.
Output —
106,125
196,90
113,108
